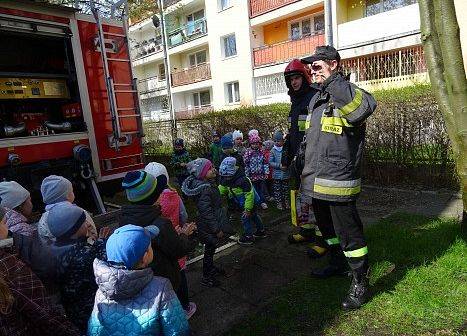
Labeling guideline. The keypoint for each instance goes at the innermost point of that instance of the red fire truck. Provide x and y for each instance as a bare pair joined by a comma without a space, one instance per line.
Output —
68,100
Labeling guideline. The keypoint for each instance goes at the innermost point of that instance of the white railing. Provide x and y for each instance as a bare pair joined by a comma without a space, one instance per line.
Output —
150,85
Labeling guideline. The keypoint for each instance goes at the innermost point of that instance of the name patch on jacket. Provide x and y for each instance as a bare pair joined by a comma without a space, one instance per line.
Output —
331,129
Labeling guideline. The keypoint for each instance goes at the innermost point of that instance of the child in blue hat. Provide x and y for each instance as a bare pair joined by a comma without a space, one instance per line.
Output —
129,294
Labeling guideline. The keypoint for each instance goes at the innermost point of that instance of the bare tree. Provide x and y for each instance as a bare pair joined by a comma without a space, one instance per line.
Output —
441,41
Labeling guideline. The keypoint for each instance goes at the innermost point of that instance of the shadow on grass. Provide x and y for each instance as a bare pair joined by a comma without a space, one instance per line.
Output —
397,244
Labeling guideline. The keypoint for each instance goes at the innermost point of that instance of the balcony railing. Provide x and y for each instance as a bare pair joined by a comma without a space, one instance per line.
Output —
258,7
168,3
150,85
187,33
146,47
192,75
287,50
193,111
397,63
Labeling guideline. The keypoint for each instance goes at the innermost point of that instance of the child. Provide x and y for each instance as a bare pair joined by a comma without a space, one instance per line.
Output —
56,190
180,158
237,137
212,220
215,150
172,208
229,150
130,300
280,173
142,191
256,167
74,256
237,186
24,306
18,202
267,147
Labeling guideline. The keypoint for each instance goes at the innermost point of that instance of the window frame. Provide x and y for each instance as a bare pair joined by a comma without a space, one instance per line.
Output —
198,95
224,49
300,20
194,54
382,7
231,92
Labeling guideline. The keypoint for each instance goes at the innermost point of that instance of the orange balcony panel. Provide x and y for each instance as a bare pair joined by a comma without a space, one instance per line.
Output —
258,7
192,75
287,50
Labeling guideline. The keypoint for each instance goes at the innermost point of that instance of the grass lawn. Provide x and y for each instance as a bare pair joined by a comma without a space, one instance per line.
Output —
419,278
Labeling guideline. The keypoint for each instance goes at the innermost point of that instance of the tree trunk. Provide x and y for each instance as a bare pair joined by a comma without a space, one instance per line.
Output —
441,42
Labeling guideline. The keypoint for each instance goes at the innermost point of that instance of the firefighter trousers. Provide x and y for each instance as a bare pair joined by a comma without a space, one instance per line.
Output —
340,224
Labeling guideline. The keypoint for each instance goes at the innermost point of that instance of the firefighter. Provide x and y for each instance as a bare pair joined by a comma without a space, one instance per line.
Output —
331,175
301,90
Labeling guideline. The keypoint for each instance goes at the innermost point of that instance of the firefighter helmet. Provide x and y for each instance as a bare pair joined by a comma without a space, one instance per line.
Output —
296,67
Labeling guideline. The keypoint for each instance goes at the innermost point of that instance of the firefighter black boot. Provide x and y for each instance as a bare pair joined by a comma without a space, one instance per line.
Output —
359,291
337,264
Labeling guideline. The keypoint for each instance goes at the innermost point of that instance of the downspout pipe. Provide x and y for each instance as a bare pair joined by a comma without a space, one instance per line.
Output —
328,22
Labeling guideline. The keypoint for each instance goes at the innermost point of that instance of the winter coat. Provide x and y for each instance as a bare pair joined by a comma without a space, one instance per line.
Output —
275,163
212,217
30,313
215,152
136,303
297,120
18,223
176,161
172,208
267,155
236,155
239,188
335,140
240,149
75,276
256,166
168,245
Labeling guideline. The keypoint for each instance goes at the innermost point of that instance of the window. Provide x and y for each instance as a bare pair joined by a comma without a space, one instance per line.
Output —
230,46
197,58
202,98
306,26
161,71
224,4
374,7
233,92
194,23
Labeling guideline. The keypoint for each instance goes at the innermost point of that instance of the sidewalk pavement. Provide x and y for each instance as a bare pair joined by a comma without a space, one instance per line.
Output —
256,274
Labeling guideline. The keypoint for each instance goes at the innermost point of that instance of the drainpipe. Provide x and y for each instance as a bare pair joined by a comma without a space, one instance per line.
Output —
328,22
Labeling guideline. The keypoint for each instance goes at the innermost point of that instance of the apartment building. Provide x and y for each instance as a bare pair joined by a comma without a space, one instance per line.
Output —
226,53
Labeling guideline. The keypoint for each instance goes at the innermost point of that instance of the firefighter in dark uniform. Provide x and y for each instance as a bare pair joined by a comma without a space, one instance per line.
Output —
331,175
301,90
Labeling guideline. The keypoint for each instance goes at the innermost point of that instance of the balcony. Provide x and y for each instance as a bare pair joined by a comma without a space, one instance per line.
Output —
168,3
192,75
258,7
191,112
394,23
188,32
149,87
285,51
146,48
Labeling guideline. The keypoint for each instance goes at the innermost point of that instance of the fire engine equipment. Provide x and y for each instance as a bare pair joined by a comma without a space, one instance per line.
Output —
64,126
14,130
33,88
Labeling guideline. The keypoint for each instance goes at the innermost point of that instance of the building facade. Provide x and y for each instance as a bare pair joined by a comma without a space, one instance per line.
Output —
227,53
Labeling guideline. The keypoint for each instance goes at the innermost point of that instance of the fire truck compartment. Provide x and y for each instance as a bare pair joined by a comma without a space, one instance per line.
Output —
39,94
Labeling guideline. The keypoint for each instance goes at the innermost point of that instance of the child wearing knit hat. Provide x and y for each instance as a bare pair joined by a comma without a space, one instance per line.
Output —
280,174
25,308
74,257
130,300
228,149
212,219
17,201
180,157
239,145
172,208
143,191
237,186
256,167
56,190
215,149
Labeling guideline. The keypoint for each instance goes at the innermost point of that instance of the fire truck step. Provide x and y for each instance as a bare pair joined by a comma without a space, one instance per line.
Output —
114,34
125,91
126,108
119,59
129,116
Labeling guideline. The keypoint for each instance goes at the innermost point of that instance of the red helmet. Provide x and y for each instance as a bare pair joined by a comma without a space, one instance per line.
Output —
296,67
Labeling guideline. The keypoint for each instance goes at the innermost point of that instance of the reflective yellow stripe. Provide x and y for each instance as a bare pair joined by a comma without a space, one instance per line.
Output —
308,122
354,104
336,121
334,183
337,191
356,253
293,207
302,125
332,241
331,129
318,232
308,226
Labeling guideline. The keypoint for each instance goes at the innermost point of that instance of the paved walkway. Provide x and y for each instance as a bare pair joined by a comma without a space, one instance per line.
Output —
256,274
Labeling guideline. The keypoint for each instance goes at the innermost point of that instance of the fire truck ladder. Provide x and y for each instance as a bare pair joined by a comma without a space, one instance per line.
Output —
114,89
